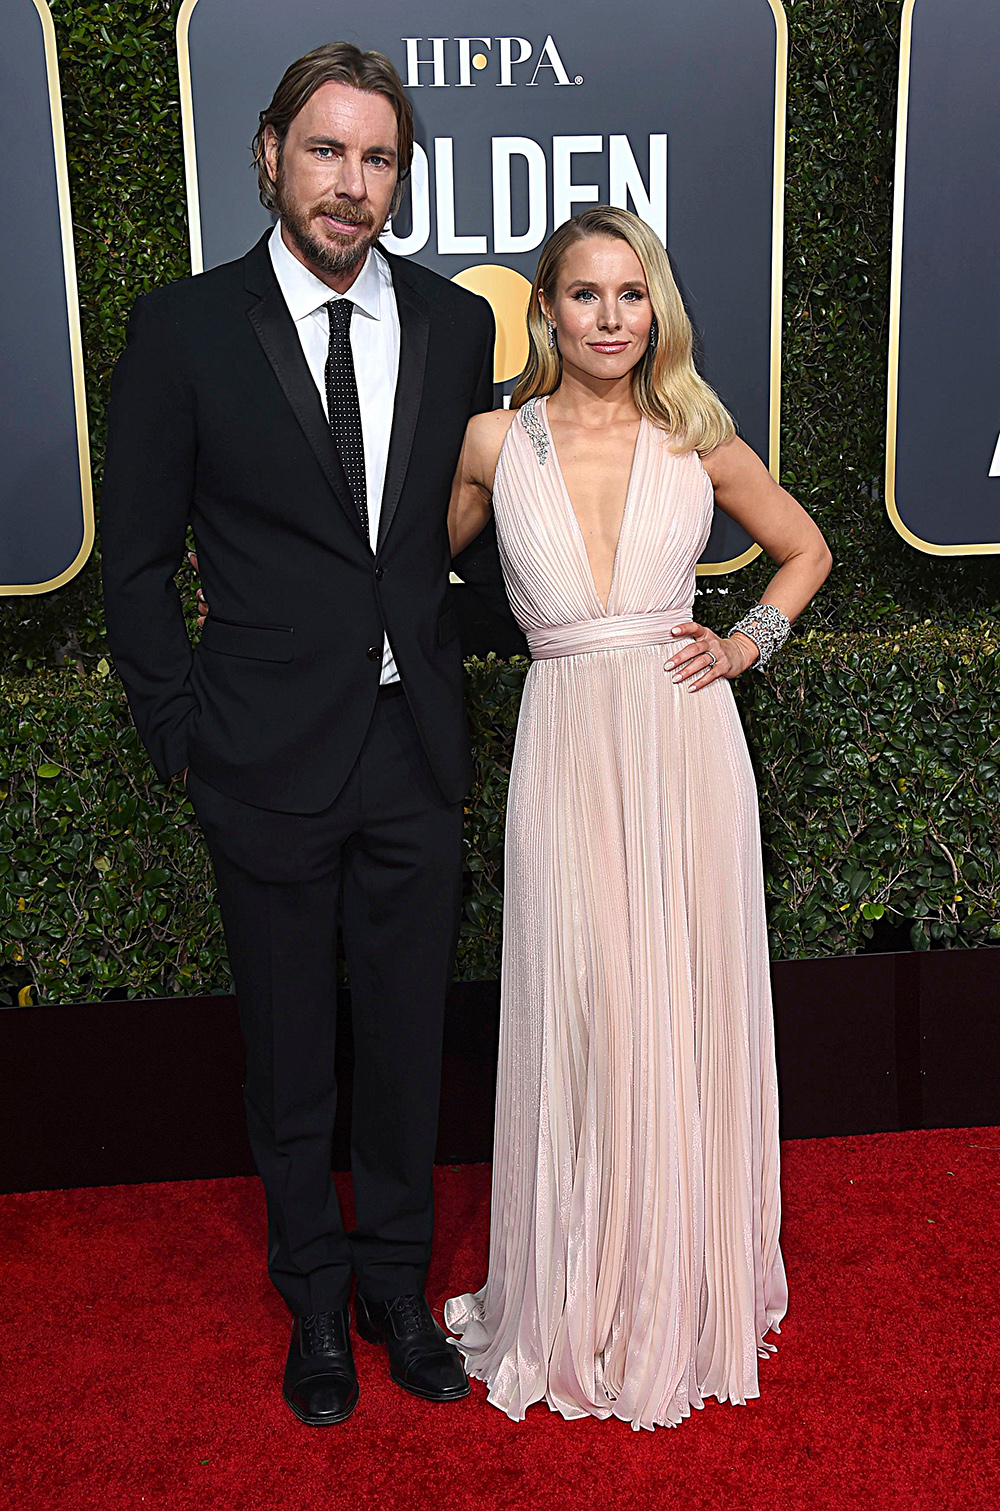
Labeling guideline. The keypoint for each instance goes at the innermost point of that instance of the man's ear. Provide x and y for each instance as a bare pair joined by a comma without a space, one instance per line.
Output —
271,145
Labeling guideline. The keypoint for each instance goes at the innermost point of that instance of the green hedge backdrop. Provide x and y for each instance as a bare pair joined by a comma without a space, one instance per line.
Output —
875,739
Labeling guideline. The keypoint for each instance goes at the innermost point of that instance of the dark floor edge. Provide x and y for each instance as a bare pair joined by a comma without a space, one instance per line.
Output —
127,1092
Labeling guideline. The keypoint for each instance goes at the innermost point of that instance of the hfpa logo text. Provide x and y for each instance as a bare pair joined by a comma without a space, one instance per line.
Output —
428,64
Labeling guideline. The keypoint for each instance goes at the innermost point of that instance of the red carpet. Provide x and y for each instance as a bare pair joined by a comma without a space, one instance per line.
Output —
141,1350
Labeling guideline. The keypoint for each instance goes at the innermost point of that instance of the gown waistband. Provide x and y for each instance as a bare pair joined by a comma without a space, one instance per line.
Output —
614,633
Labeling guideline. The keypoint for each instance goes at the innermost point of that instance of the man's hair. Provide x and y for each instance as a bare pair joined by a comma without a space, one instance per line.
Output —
336,63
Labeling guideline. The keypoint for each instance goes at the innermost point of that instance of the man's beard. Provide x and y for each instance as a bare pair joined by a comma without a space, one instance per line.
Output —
338,256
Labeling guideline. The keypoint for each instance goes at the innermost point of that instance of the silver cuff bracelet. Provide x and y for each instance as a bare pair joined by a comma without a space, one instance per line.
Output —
767,627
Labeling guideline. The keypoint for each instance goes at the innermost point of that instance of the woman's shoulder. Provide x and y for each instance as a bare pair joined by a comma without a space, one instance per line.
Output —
492,423
484,438
488,431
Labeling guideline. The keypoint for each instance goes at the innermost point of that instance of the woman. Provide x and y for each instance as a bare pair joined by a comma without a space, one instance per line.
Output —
634,1261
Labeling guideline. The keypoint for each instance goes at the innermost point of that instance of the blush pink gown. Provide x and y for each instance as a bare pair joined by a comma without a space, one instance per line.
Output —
634,1265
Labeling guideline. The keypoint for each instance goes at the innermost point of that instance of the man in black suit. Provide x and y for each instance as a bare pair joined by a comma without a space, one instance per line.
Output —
302,409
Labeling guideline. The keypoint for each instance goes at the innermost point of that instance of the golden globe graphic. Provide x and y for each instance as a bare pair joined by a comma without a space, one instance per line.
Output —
508,292
676,113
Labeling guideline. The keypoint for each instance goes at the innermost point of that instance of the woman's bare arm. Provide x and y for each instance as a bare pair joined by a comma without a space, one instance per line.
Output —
746,491
472,490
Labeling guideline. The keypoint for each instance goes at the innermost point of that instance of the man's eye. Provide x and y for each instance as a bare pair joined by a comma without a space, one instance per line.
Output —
379,162
324,152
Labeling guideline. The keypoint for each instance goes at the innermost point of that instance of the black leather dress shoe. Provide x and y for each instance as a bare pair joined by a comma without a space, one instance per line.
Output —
420,1357
320,1384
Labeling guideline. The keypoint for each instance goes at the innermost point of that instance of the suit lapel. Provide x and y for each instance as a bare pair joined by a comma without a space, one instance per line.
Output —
277,335
414,327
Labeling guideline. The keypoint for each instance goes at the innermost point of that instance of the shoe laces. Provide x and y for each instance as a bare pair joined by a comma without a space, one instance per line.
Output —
410,1314
320,1333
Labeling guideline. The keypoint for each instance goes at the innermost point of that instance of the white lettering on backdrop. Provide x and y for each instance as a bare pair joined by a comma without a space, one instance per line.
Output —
628,188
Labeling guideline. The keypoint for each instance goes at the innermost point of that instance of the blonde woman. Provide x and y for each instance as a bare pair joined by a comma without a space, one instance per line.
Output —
634,1263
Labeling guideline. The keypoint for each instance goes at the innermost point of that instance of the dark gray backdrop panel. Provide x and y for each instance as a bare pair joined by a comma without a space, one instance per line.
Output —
703,74
44,514
948,404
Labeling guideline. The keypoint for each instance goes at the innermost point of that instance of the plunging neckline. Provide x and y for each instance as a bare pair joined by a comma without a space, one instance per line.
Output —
602,605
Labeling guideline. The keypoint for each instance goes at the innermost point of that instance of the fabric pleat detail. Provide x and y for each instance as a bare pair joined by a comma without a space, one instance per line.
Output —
634,1264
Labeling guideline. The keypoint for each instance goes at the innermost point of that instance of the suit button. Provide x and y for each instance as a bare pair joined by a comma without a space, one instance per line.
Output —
374,654
379,574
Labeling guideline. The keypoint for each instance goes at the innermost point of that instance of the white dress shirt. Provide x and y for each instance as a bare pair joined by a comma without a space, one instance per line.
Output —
375,349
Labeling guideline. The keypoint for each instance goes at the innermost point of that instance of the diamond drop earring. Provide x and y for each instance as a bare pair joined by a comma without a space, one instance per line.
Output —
654,334
552,333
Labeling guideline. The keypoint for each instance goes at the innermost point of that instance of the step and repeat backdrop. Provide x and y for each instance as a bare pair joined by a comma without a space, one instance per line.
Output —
677,112
943,432
46,507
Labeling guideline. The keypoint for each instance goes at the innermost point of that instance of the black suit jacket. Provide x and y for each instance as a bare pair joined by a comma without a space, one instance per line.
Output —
216,421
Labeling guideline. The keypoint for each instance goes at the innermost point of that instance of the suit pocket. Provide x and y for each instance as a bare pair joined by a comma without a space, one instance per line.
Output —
448,625
257,642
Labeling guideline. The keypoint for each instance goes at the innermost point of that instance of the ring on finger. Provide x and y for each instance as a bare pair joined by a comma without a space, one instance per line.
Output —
713,656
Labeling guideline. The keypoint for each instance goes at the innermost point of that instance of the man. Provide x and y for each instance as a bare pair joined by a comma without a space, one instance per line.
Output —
303,409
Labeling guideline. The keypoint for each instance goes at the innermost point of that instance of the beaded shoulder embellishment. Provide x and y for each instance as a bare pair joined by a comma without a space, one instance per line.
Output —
535,430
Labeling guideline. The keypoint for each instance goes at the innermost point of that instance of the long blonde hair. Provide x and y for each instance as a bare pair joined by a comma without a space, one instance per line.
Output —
666,387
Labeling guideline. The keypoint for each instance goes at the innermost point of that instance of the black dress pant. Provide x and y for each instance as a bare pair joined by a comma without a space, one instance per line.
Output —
385,859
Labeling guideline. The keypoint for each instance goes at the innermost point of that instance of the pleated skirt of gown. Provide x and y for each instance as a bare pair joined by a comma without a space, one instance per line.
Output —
634,1262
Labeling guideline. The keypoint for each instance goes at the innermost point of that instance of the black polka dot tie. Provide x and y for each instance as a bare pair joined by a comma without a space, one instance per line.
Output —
342,403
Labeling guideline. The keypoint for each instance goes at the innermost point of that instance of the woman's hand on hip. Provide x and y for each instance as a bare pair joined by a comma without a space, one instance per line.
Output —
709,656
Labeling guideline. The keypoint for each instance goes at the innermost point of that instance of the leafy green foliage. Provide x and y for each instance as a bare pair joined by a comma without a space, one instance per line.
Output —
878,763
104,877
